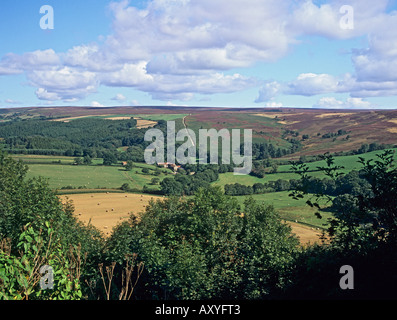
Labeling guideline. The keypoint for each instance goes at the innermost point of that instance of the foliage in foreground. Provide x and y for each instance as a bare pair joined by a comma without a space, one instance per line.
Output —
207,247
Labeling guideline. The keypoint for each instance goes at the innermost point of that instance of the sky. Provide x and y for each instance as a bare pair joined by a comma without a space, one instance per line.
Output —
336,54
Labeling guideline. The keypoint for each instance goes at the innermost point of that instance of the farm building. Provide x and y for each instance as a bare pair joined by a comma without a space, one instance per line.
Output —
169,165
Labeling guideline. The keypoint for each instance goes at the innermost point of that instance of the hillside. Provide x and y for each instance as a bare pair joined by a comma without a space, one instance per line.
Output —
317,130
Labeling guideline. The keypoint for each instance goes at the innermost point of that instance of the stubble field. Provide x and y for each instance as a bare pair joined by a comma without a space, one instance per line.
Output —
106,210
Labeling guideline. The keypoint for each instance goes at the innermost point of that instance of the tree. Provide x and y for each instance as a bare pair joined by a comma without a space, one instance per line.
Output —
87,160
171,187
20,276
125,187
362,234
274,167
109,158
204,247
78,161
129,165
30,202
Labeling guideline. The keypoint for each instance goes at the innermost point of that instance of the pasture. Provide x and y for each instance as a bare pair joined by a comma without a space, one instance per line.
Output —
284,172
92,176
291,210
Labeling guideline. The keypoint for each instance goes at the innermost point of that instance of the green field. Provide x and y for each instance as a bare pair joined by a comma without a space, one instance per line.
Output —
290,209
284,171
93,177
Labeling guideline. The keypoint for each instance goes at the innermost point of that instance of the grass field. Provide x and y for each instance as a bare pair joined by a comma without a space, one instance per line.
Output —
290,209
93,177
284,171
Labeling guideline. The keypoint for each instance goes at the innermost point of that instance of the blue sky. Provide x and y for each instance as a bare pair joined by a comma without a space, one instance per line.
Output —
251,53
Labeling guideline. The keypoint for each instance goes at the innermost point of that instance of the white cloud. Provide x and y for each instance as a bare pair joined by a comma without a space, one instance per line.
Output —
97,104
350,103
13,63
130,75
308,84
11,101
63,83
184,87
237,33
119,97
274,104
92,57
268,91
43,94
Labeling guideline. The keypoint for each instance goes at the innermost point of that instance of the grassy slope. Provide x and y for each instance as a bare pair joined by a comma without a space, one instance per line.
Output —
348,162
290,209
92,177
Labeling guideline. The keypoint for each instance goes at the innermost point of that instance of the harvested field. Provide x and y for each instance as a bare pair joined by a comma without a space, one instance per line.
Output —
334,114
118,118
71,118
307,235
106,210
143,124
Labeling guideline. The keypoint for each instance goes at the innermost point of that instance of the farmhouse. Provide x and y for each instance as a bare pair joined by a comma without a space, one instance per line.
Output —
169,165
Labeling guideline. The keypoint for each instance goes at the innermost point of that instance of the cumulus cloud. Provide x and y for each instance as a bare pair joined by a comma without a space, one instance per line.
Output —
174,49
12,63
308,84
119,97
274,104
11,101
63,83
239,33
350,103
268,91
97,104
311,84
184,87
130,75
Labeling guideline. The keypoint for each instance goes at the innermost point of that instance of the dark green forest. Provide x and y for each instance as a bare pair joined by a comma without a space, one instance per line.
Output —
204,247
95,137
